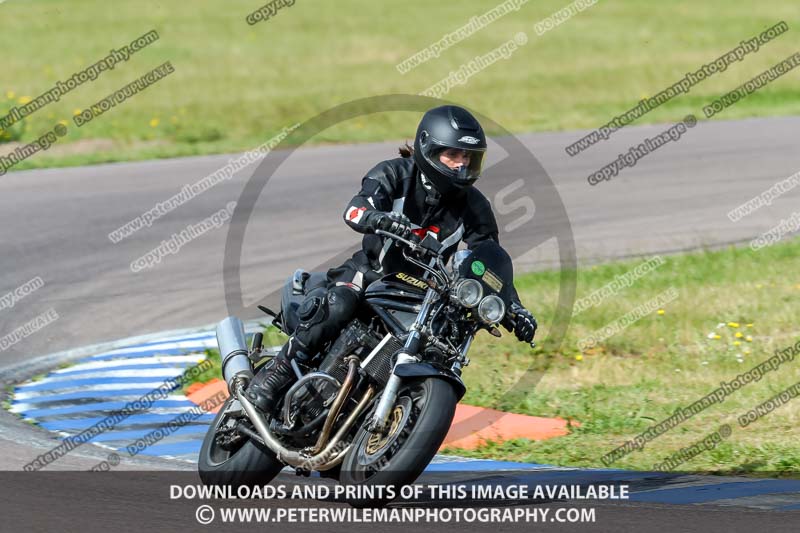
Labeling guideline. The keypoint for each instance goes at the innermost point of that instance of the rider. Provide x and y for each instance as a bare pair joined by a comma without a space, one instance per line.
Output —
426,191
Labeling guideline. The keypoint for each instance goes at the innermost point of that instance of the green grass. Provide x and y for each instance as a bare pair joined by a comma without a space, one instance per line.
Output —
5,403
214,371
639,376
236,85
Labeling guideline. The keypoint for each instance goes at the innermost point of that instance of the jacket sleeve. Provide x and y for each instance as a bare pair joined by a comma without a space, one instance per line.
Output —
479,221
480,225
377,194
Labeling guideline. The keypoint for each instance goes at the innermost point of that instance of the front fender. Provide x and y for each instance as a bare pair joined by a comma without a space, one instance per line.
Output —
428,369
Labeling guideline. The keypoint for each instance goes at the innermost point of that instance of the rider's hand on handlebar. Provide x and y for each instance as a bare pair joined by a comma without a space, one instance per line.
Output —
521,322
392,222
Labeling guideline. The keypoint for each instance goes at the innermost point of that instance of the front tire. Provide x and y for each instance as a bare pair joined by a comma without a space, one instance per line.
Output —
249,464
419,422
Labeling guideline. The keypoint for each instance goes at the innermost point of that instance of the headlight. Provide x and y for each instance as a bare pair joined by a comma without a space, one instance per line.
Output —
492,309
469,292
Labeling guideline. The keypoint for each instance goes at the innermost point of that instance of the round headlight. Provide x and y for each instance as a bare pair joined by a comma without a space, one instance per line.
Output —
469,292
492,309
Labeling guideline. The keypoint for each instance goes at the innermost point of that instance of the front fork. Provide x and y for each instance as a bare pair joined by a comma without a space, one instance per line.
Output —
407,355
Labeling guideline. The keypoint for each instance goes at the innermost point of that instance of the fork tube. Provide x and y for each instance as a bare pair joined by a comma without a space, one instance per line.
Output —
407,355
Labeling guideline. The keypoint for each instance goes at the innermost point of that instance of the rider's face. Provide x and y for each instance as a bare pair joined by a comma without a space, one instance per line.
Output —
454,158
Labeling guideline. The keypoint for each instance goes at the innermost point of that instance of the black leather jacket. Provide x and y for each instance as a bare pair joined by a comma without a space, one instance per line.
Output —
398,185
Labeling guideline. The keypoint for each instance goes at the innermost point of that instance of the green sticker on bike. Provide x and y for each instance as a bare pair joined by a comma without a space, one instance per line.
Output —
478,268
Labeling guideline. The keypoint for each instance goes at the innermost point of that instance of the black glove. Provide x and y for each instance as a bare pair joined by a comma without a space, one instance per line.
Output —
392,222
521,322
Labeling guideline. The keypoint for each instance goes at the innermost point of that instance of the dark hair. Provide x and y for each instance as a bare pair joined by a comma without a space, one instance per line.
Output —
406,150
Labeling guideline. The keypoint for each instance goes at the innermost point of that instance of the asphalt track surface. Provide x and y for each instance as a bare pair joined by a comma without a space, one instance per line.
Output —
55,224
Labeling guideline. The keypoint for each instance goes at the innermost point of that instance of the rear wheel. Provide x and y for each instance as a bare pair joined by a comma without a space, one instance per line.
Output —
243,463
417,426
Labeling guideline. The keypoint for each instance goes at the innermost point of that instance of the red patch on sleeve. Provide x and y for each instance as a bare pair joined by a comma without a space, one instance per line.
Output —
354,213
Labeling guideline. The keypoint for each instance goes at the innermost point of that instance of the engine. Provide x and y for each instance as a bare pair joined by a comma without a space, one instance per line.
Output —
356,339
311,399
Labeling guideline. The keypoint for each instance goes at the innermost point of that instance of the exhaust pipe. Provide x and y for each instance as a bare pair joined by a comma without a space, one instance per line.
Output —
233,352
329,457
237,371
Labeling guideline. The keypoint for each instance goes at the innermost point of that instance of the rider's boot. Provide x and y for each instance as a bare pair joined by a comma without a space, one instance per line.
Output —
270,384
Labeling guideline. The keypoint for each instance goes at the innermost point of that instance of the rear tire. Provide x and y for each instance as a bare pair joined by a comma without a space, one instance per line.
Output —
251,464
423,413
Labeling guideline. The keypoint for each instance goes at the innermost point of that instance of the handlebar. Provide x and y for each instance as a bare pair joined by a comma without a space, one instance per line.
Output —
411,244
442,277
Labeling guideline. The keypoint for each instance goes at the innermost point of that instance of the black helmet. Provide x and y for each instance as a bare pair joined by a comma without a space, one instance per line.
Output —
449,127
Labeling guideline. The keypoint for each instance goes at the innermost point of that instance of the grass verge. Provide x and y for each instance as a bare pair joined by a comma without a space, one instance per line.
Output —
236,85
735,307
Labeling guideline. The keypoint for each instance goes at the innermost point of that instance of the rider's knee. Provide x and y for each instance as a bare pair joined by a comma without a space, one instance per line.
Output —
337,304
342,302
313,310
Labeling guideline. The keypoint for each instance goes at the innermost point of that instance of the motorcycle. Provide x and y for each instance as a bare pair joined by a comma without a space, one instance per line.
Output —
378,406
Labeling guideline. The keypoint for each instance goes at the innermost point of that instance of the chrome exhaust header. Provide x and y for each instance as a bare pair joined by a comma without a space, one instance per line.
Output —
332,454
238,371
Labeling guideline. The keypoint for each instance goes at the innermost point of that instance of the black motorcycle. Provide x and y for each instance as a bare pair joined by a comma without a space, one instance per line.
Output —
379,404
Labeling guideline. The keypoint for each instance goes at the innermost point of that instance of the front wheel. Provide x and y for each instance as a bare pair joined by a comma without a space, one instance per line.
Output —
418,424
244,463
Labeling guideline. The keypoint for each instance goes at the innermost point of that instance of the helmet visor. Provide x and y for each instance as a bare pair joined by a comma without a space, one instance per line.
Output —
462,166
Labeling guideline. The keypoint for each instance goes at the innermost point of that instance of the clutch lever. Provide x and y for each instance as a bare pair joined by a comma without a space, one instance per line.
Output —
414,246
